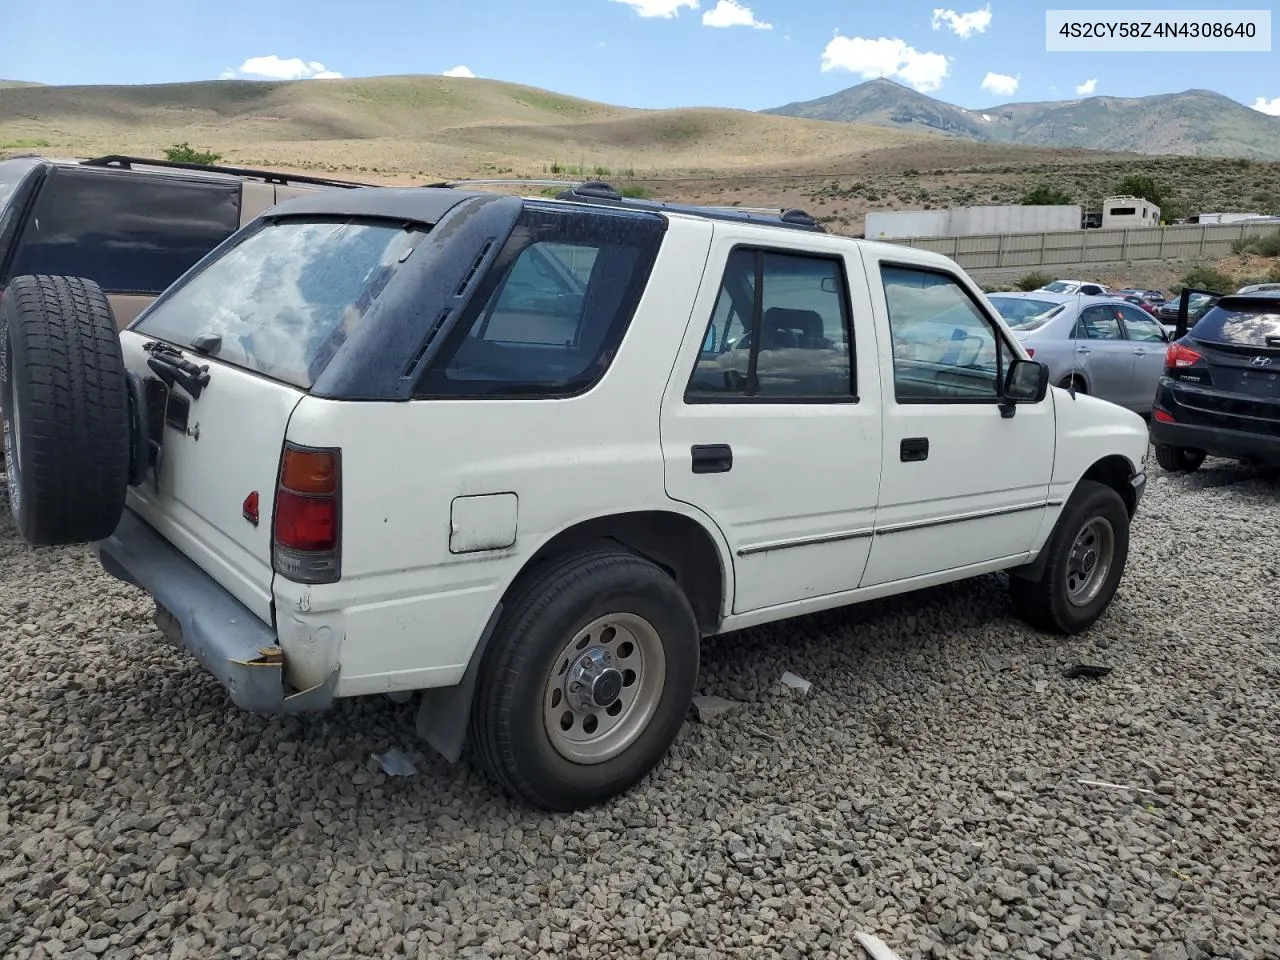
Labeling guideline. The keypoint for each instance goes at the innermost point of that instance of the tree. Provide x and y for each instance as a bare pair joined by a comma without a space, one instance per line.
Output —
1047,195
1141,185
185,153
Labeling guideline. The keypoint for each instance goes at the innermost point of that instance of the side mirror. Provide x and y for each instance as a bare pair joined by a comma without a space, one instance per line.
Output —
1027,381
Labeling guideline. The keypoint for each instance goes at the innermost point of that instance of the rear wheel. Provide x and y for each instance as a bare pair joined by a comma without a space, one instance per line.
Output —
1076,383
1178,459
65,407
587,679
1086,557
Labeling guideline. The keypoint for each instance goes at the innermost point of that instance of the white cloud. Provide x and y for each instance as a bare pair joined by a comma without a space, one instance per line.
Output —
886,58
730,13
1086,88
276,68
1000,84
659,8
459,71
1263,105
963,25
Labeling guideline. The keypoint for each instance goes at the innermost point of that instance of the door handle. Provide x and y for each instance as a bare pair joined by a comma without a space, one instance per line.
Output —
1082,349
914,449
712,457
1139,352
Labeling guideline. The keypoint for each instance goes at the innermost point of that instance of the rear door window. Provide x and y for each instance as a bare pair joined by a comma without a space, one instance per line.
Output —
287,295
130,233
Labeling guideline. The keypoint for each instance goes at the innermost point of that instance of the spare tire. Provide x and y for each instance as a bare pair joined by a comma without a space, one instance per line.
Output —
65,403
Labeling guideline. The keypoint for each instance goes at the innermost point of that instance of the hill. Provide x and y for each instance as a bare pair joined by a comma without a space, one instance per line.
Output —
416,126
1192,123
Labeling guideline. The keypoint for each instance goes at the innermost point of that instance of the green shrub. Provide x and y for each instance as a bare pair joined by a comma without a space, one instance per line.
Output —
1033,281
1205,278
185,153
1046,195
1267,245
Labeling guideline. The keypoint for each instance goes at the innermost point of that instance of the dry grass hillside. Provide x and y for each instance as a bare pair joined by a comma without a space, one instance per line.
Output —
415,128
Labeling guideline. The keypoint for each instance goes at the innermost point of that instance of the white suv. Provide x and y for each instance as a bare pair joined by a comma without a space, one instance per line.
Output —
520,455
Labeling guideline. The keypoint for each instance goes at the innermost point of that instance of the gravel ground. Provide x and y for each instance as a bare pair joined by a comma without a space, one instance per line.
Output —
927,789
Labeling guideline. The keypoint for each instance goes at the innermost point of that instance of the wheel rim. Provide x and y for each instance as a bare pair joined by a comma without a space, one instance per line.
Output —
1089,564
604,687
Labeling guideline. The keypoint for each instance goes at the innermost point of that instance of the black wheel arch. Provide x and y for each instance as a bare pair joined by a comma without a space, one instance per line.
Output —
676,543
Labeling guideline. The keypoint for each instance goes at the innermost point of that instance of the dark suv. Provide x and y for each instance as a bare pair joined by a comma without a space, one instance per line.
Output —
1220,392
131,225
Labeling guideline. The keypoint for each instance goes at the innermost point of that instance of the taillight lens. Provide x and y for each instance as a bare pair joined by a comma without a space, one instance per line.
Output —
1031,351
1178,356
307,520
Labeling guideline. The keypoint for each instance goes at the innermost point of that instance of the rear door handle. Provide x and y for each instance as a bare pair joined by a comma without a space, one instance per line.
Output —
1082,349
1139,352
914,449
712,457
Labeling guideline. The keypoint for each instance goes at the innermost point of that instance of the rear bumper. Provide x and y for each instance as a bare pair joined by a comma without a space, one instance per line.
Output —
1217,442
241,651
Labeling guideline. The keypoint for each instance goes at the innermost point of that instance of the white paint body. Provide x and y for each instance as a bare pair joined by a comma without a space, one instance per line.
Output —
445,501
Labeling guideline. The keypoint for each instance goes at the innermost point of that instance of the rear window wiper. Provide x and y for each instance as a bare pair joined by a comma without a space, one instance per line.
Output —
172,367
207,343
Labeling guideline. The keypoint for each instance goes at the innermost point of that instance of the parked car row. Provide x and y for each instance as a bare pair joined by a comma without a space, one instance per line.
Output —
518,456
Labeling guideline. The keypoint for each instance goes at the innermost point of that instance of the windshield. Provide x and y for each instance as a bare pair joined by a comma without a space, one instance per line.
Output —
287,296
1060,286
1024,313
1255,327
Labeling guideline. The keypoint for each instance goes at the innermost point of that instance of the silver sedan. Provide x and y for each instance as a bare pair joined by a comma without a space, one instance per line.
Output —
1103,345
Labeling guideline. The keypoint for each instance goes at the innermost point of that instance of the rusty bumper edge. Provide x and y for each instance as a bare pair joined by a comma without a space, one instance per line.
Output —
202,618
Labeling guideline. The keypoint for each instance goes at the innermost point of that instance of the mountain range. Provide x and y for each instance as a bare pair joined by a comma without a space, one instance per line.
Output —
1191,123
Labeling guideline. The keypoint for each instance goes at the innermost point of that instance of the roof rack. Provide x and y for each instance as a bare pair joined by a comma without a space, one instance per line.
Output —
599,192
122,162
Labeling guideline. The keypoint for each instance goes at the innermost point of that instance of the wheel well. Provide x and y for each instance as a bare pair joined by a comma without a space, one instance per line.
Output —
679,545
1115,471
1066,381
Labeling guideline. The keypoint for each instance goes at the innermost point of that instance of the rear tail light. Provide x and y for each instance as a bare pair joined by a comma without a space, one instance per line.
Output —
1164,416
307,545
1031,351
1179,356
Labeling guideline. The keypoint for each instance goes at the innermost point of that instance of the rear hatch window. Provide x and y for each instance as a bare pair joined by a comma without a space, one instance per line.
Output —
1252,328
287,295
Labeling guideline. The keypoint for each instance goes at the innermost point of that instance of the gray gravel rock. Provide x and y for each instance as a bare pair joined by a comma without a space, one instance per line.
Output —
917,793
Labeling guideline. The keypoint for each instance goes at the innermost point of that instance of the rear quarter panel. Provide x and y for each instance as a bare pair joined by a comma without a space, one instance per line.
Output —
408,613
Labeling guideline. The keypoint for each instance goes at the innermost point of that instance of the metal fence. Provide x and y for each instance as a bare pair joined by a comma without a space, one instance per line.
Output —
994,251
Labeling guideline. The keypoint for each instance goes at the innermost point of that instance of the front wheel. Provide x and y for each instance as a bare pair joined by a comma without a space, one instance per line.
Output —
587,679
1086,558
1178,459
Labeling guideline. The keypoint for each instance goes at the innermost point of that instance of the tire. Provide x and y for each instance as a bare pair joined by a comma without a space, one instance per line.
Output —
1065,384
1178,459
1048,602
65,409
523,682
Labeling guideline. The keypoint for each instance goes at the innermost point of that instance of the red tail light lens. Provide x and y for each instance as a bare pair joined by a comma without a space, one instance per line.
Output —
1178,356
307,521
1163,416
1031,352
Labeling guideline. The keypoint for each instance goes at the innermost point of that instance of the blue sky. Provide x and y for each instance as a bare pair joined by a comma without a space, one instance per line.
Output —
750,54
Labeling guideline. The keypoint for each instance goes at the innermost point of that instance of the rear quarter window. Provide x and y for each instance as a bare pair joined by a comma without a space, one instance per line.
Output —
549,314
128,232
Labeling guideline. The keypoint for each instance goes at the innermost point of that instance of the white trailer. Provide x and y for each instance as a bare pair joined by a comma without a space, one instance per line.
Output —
1121,212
